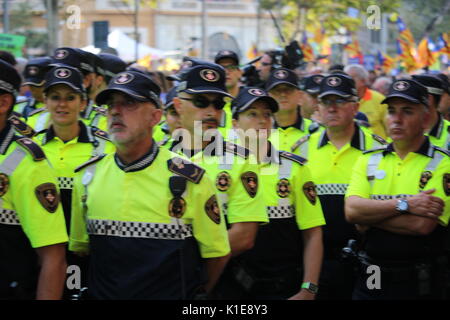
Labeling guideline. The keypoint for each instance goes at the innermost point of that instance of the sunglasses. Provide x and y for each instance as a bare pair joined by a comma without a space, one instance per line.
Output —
338,102
202,102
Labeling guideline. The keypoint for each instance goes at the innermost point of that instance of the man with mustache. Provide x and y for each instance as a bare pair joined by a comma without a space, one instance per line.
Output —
146,216
199,103
331,155
399,194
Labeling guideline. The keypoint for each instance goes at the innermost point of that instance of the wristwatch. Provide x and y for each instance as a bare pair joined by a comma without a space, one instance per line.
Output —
402,206
311,287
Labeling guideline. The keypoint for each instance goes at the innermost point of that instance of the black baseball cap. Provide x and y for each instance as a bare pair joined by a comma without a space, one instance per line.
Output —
112,65
188,62
95,62
135,84
247,96
172,93
311,84
338,84
35,71
445,82
204,78
9,78
282,76
408,89
433,84
65,75
226,54
73,57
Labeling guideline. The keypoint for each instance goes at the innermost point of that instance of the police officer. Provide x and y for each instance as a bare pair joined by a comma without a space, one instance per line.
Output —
68,142
331,155
166,128
229,60
199,103
282,85
108,66
34,74
310,86
444,104
399,194
32,229
152,221
439,130
284,262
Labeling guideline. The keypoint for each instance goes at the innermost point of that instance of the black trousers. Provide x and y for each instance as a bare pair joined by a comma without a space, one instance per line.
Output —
336,281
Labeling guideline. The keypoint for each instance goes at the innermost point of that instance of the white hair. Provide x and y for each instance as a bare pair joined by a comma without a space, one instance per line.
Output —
361,72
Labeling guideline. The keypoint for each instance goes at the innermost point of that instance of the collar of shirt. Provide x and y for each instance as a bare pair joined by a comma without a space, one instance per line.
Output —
141,163
425,149
299,124
367,95
84,136
6,137
357,142
437,129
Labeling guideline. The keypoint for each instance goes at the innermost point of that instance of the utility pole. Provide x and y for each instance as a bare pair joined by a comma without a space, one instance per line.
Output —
204,36
52,24
258,23
136,31
5,16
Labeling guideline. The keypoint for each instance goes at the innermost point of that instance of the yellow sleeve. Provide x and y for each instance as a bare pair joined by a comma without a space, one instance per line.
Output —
208,222
78,237
308,210
439,181
35,196
242,207
359,185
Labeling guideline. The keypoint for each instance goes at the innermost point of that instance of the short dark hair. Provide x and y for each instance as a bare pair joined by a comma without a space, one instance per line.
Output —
11,107
8,57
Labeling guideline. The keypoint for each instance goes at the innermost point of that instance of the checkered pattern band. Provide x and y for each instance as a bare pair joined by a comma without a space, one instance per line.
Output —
129,229
9,217
332,189
389,196
280,212
65,183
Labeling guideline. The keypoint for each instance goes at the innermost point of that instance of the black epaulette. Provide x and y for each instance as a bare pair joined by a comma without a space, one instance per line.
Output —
299,142
100,110
381,148
293,157
237,150
21,127
16,114
36,112
164,141
100,133
89,162
186,169
313,127
379,139
446,152
32,147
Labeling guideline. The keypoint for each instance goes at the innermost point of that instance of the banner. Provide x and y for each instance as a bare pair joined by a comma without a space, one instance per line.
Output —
12,43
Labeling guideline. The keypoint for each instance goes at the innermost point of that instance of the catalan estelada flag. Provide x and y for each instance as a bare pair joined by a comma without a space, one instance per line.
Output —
425,55
404,33
308,52
386,62
354,50
406,57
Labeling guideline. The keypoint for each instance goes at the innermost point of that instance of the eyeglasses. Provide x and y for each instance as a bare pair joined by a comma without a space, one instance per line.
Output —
337,102
202,102
127,104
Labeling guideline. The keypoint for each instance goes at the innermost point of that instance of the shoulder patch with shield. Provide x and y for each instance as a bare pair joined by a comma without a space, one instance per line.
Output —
212,209
250,182
446,182
47,195
309,188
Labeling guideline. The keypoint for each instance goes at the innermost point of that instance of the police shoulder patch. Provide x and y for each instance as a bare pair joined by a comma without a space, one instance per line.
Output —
186,169
237,150
36,111
445,152
293,157
379,139
89,162
446,182
212,209
48,196
21,127
100,134
33,148
382,148
299,142
250,181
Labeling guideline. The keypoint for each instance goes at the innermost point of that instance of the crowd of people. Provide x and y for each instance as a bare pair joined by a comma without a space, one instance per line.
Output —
301,185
